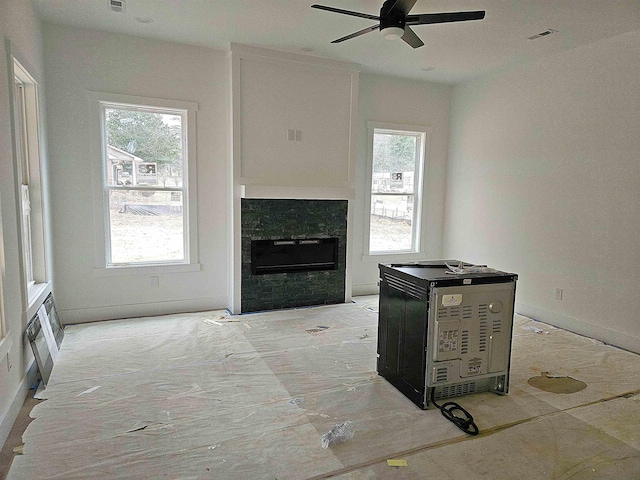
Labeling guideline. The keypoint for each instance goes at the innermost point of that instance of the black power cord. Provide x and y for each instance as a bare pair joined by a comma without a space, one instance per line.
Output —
466,423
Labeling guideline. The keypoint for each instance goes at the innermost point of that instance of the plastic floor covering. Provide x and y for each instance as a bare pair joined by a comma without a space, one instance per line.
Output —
211,396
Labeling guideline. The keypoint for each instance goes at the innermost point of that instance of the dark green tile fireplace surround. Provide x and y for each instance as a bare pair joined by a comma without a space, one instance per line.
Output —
275,219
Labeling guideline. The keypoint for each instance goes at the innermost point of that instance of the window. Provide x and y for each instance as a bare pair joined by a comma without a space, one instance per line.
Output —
146,195
3,328
27,150
20,104
395,180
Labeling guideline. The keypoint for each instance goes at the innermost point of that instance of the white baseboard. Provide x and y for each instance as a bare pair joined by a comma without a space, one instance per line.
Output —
93,314
10,415
598,332
367,289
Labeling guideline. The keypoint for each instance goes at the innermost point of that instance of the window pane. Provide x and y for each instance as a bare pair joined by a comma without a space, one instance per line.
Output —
143,148
394,163
391,223
146,226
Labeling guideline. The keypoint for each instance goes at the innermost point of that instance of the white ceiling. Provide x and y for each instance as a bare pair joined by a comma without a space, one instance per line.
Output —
456,51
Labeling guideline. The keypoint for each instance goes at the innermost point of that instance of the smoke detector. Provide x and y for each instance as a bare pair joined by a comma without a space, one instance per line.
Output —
117,6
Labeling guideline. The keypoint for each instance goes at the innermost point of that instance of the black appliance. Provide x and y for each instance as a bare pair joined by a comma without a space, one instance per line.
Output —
443,330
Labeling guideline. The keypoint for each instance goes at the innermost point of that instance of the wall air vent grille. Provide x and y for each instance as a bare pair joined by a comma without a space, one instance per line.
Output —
116,5
542,34
410,288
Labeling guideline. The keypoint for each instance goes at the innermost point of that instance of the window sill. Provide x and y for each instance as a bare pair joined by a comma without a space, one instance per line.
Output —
392,257
37,294
146,269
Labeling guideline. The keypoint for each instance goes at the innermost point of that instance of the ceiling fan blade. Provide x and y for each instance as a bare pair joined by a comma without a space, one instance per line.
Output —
430,18
346,12
411,38
403,6
357,34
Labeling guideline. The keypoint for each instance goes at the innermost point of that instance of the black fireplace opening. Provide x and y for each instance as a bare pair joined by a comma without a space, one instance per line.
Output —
293,255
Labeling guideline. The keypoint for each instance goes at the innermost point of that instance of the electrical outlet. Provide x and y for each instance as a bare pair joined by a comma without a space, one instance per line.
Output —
9,362
558,294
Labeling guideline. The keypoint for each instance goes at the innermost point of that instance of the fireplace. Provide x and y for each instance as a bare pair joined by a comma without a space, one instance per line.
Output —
288,255
293,253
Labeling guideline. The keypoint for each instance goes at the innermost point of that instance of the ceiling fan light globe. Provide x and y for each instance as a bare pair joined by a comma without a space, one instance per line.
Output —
392,33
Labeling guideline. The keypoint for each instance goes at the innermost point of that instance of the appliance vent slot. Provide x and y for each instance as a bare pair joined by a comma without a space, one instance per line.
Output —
467,311
442,374
457,390
448,312
464,342
497,325
482,310
482,346
117,5
405,286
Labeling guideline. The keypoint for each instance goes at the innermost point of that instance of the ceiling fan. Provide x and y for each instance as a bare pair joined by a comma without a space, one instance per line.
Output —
395,21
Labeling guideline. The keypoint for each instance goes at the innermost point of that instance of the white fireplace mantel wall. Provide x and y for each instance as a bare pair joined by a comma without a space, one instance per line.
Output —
293,127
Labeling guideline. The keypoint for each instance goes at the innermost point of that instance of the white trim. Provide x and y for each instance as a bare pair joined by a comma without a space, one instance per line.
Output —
366,289
618,339
239,50
10,415
392,257
187,110
305,193
147,269
94,314
3,327
134,100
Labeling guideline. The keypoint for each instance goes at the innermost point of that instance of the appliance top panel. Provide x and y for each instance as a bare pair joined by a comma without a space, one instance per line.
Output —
437,270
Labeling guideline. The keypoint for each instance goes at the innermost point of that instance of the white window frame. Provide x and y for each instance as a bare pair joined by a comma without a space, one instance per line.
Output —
3,328
98,102
418,234
27,145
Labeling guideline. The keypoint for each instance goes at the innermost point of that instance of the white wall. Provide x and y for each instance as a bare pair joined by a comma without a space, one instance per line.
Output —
404,102
294,93
78,61
544,181
21,28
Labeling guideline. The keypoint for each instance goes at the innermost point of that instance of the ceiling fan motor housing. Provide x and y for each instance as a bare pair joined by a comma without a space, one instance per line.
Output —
391,18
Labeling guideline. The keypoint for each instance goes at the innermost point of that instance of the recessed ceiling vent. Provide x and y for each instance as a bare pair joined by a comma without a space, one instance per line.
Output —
542,34
116,5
